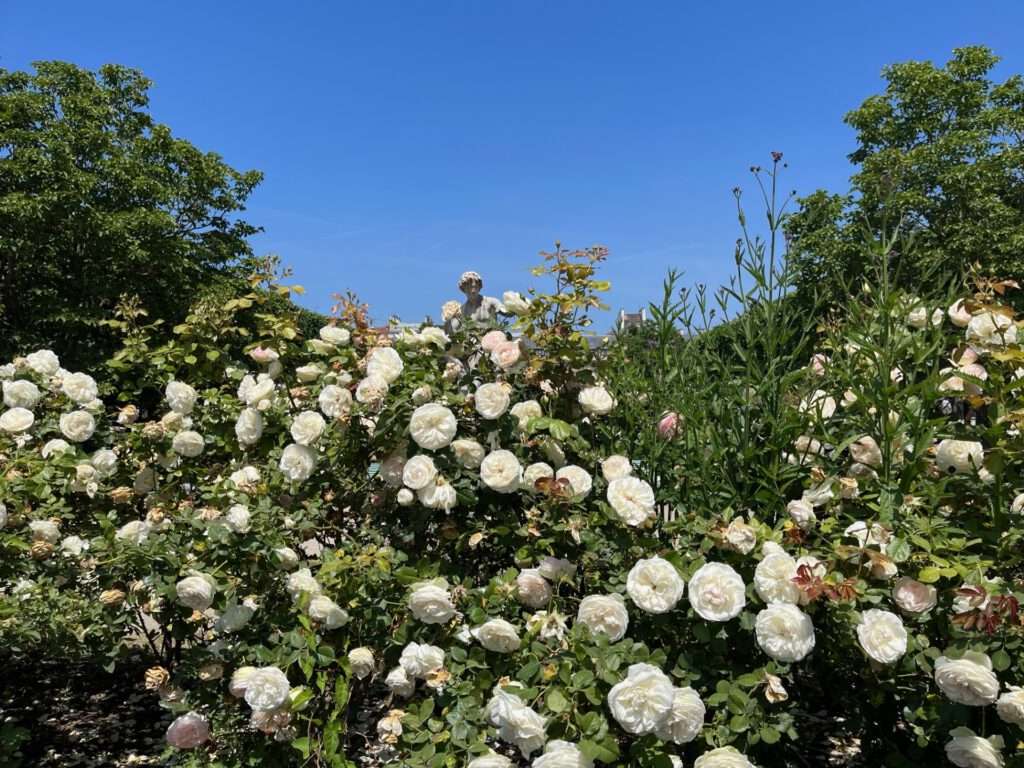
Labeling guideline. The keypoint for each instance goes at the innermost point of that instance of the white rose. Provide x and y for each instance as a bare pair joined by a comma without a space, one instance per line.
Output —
260,394
21,394
535,472
740,537
548,625
307,374
801,512
399,682
44,362
248,427
865,450
515,302
420,660
307,427
105,462
233,619
361,661
44,530
1010,706
55,446
372,390
246,478
497,635
188,443
266,688
773,578
686,719
959,456
134,532
196,592
562,754
188,731
723,757
819,403
501,471
579,480
3,515
717,592
967,750
632,499
7,371
912,596
784,632
526,410
642,703
968,680
616,467
335,334
491,400
405,497
469,453
431,604
431,334
240,681
882,636
992,329
532,589
440,494
180,397
432,426
287,557
555,569
918,317
516,722
386,363
77,426
422,395
297,462
596,401
80,387
325,611
301,583
16,420
334,401
654,585
604,613
507,355
238,518
958,314
418,472
491,760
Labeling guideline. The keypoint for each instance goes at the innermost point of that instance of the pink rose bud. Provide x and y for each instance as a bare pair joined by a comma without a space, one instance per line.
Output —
668,425
263,355
188,731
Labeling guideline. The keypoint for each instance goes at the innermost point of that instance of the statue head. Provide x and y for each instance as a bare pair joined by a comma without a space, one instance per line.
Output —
470,283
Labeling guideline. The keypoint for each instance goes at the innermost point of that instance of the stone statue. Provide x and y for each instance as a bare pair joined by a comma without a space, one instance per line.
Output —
477,307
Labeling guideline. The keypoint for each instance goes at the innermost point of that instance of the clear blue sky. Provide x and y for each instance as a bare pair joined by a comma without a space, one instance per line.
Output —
403,142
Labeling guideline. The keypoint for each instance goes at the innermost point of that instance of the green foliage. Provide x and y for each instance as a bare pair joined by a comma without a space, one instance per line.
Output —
939,155
98,201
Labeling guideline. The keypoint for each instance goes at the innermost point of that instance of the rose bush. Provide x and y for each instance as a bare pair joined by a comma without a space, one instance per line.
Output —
535,554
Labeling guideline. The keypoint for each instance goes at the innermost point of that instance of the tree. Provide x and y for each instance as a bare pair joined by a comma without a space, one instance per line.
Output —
940,153
98,201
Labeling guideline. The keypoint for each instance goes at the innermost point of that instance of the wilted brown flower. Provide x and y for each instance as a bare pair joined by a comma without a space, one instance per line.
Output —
112,597
156,677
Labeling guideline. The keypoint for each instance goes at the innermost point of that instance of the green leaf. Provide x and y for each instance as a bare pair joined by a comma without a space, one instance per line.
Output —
556,701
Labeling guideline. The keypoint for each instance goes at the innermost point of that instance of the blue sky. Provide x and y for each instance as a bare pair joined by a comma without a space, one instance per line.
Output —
404,142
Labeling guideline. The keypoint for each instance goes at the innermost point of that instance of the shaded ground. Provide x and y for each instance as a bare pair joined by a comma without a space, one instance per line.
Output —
75,716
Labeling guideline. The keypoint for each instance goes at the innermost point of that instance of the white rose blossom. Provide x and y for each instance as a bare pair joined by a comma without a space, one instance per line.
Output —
335,334
717,592
469,453
188,731
266,688
334,401
784,632
562,754
438,494
188,444
307,428
535,472
516,722
44,362
992,329
325,611
362,662
773,578
616,467
953,456
912,596
497,635
604,613
723,757
249,427
491,400
372,390
80,387
882,636
501,471
532,589
526,410
180,397
967,750
399,682
431,603
654,585
21,393
686,718
1010,706
77,426
596,401
432,426
18,420
196,592
302,584
968,680
386,363
238,518
632,499
418,472
297,462
642,702
420,660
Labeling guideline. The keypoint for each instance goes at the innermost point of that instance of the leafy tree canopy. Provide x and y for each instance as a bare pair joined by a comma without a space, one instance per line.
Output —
940,153
98,201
